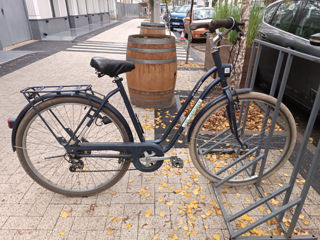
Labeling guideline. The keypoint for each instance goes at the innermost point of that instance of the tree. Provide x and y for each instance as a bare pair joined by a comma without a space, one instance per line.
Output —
190,33
245,14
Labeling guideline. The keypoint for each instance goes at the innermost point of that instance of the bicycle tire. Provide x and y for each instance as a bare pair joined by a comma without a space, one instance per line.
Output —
213,147
36,145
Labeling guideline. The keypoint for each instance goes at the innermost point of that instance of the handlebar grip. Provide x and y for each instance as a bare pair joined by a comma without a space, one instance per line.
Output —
221,23
194,26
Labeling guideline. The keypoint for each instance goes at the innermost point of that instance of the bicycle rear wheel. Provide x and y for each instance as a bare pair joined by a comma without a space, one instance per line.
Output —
45,160
216,152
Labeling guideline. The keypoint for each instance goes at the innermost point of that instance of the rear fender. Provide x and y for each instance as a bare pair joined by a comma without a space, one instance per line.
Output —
210,104
52,95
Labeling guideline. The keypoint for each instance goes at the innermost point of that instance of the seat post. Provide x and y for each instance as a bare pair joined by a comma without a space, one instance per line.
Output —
127,103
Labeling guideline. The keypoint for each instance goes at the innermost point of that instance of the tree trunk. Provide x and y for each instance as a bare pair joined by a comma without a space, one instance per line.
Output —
235,81
190,33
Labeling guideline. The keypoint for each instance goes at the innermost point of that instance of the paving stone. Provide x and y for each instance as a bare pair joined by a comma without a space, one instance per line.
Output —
7,234
88,223
32,235
50,217
14,209
21,223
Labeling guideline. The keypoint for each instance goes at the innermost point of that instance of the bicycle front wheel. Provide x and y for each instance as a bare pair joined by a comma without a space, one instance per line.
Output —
217,154
45,159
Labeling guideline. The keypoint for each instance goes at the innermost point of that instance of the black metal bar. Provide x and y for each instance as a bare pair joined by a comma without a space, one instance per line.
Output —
299,159
238,171
186,103
255,69
130,109
258,203
267,217
275,115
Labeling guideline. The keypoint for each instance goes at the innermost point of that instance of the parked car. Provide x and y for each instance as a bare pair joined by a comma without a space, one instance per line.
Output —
177,17
291,24
204,14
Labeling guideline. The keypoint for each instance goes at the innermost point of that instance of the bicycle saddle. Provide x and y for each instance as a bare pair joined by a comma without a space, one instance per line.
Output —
111,67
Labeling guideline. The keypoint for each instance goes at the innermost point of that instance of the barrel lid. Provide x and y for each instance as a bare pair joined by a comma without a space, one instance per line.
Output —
151,39
148,24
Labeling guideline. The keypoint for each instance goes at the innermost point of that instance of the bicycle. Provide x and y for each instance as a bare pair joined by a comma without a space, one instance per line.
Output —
72,141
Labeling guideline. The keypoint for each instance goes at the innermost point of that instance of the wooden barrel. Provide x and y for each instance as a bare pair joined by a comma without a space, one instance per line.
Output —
149,28
152,82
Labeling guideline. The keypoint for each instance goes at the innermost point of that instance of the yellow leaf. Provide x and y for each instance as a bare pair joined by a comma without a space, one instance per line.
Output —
261,208
175,228
148,213
238,194
110,231
301,216
115,219
107,213
170,203
147,194
131,180
162,214
128,226
186,228
202,196
142,191
156,237
306,223
194,233
216,237
62,233
247,199
64,214
212,203
160,199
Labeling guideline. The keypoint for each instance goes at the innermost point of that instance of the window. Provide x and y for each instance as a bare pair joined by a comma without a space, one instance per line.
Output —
309,23
269,13
285,15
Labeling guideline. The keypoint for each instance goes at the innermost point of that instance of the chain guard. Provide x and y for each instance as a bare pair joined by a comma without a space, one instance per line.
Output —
145,168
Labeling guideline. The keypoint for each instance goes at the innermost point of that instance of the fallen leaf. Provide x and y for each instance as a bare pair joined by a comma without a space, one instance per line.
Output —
148,213
162,214
64,214
170,203
116,219
142,191
62,233
147,194
110,231
128,226
216,237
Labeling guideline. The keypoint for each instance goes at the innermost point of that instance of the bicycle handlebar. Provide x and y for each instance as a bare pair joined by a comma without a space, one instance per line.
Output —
229,23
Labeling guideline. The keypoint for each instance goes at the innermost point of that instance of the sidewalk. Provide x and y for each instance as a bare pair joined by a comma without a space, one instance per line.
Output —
28,211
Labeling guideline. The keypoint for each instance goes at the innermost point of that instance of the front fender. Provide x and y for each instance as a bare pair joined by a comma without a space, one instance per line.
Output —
66,94
210,104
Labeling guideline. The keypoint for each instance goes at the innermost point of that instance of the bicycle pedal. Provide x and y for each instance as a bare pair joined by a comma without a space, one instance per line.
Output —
176,162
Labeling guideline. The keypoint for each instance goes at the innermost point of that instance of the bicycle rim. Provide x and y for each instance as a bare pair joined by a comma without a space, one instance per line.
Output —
45,160
216,152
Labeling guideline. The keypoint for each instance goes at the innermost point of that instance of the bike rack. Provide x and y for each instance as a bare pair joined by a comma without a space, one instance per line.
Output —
287,202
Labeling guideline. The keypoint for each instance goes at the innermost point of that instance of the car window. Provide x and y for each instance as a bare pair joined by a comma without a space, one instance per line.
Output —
203,14
269,13
285,14
310,21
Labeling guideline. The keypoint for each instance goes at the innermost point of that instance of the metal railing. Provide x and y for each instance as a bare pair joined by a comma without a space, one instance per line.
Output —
288,201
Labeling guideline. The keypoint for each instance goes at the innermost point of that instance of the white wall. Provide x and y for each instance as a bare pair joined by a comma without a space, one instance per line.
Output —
60,8
39,9
95,6
82,7
73,7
